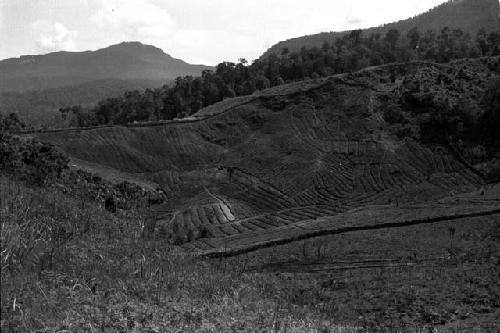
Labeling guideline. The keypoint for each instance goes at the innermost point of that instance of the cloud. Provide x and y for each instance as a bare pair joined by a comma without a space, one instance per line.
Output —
198,31
53,36
135,19
203,46
2,20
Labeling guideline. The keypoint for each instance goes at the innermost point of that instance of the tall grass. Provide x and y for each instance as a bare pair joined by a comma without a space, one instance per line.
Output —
69,265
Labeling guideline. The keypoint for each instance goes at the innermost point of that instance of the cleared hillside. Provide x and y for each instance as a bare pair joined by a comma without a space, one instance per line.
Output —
467,15
282,158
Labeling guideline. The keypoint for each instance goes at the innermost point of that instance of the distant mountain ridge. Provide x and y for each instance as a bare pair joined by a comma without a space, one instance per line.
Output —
124,61
467,15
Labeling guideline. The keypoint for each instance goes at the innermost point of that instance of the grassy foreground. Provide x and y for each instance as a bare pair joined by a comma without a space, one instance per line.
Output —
68,265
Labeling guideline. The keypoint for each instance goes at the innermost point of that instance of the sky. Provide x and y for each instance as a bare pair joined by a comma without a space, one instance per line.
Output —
197,31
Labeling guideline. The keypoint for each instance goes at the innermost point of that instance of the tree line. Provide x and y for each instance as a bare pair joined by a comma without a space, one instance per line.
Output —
349,53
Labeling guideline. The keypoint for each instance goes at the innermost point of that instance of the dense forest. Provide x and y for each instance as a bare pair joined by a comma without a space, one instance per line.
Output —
346,54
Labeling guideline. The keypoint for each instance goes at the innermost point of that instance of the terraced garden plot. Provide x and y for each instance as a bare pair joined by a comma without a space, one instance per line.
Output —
374,217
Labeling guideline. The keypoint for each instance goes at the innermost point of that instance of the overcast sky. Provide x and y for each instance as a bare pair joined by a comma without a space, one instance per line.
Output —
198,31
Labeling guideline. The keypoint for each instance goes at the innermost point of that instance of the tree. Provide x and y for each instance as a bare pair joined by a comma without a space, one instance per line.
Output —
108,110
413,37
355,36
392,38
278,81
494,42
262,82
428,45
482,42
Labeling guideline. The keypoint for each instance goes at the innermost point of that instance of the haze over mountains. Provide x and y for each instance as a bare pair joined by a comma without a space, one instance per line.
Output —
125,61
467,15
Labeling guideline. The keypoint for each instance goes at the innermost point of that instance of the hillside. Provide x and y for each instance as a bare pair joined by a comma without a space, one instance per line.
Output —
467,15
294,153
125,61
39,108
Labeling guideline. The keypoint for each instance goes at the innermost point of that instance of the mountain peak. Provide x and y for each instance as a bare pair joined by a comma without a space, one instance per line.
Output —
134,47
130,45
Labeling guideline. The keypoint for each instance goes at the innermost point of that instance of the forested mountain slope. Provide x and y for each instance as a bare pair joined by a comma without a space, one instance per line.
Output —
467,15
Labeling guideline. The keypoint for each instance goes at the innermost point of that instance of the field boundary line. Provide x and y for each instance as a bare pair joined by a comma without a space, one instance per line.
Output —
324,232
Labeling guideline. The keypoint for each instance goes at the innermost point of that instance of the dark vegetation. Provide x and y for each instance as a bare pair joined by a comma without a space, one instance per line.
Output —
463,116
346,54
27,158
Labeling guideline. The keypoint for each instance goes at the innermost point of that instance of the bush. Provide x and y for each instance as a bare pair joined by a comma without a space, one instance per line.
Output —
30,160
10,123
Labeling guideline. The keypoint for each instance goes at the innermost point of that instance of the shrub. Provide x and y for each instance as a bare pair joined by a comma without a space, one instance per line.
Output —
30,160
10,123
